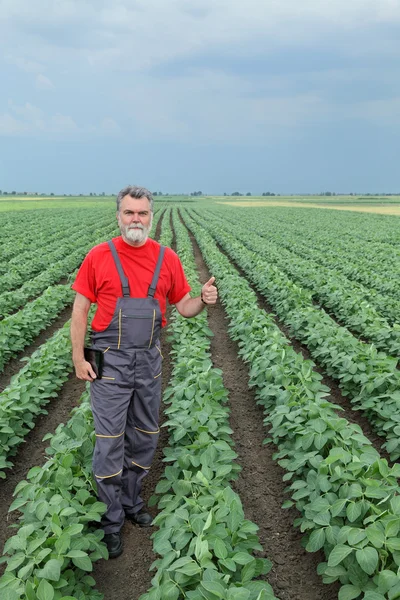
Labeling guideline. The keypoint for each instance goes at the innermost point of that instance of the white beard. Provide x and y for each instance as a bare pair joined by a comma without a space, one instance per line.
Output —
136,233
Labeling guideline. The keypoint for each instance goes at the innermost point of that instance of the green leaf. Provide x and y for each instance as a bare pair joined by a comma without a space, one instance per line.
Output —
229,564
373,596
190,569
375,536
240,594
242,558
25,571
316,541
10,595
184,560
214,587
353,511
248,571
220,549
348,592
17,504
168,591
322,518
76,554
41,510
208,521
356,536
338,554
26,531
386,580
393,543
392,528
45,591
235,516
395,501
51,570
16,561
368,559
338,506
83,563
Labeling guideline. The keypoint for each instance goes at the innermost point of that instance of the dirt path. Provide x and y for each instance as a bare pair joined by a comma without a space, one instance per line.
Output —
260,485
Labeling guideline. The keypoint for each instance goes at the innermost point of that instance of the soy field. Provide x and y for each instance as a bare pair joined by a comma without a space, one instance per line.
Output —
277,471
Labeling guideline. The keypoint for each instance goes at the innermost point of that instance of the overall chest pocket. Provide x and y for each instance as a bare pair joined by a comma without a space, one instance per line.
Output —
139,328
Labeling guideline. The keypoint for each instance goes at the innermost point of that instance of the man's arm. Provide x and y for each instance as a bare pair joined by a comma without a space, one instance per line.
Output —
190,307
80,312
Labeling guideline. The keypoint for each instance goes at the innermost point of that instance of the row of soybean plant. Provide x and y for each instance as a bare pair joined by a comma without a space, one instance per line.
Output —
72,245
19,329
51,252
32,387
204,542
347,495
52,554
339,242
347,300
369,377
72,252
22,233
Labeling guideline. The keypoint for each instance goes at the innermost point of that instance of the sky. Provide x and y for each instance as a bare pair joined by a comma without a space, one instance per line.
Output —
286,96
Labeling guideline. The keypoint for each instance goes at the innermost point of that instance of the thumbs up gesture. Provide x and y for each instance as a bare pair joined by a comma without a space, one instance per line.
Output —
209,292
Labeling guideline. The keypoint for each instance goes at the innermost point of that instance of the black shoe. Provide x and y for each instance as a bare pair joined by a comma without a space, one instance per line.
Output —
141,518
114,544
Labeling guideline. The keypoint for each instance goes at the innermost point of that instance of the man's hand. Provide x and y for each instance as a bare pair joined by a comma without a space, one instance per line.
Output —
83,370
190,307
209,292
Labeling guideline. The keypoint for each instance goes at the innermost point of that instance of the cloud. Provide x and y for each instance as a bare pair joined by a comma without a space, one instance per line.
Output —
43,82
10,126
61,124
209,70
213,107
110,126
29,120
24,64
137,35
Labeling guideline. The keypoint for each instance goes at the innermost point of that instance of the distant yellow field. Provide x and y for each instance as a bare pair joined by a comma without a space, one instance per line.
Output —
381,210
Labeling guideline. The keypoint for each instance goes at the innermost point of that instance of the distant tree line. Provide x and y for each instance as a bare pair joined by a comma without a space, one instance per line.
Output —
200,193
249,194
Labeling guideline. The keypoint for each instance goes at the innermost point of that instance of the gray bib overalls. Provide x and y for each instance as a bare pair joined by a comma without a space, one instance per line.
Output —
126,400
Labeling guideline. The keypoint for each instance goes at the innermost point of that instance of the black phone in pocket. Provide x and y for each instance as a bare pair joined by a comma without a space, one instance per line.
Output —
95,358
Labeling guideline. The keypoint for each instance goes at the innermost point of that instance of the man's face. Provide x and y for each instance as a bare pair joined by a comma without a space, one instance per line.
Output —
135,220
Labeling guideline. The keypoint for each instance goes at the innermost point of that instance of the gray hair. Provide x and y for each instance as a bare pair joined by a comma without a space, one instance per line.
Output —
134,191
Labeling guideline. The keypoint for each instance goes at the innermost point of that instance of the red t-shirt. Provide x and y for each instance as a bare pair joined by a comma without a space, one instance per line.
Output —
98,278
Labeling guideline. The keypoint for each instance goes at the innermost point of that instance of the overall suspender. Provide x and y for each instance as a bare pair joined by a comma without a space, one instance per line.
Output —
123,277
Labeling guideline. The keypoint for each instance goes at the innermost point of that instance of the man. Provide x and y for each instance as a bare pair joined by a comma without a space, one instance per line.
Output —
130,279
